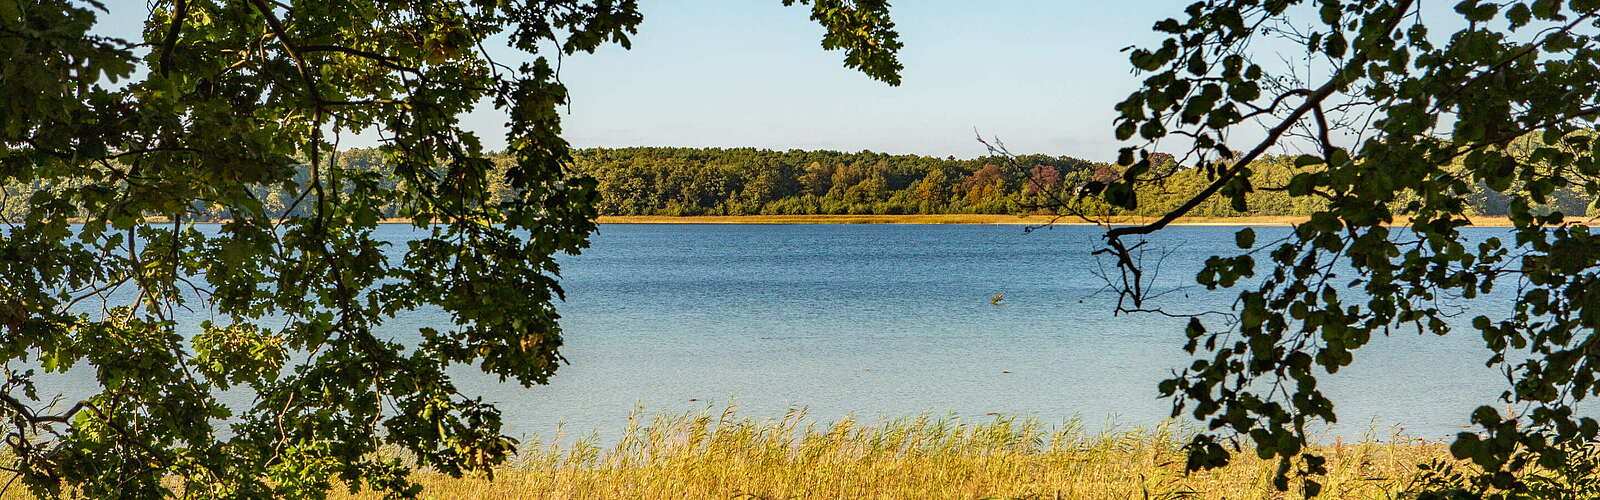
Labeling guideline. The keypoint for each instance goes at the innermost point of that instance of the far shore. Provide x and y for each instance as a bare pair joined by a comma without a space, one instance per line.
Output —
967,219
986,219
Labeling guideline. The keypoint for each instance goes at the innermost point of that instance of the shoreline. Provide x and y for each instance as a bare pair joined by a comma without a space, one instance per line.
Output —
984,219
936,219
731,455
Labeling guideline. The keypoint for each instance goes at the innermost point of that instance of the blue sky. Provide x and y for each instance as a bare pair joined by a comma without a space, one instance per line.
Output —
1041,75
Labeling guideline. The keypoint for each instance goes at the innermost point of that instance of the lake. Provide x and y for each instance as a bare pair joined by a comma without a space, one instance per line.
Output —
883,321
895,320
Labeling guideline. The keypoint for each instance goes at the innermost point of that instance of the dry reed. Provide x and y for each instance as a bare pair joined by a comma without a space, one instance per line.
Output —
723,455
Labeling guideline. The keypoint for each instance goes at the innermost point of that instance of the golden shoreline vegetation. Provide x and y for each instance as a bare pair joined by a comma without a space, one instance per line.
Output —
720,454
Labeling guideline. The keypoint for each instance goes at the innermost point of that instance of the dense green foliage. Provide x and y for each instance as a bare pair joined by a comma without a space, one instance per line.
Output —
669,181
677,181
747,181
234,110
1395,121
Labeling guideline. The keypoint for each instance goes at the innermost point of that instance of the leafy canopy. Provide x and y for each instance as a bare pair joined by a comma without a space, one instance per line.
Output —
219,101
1396,123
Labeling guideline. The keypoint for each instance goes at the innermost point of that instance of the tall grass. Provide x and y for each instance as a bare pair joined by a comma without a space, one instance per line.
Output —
723,455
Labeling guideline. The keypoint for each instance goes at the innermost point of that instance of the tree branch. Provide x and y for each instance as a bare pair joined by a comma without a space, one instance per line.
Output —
1312,101
180,11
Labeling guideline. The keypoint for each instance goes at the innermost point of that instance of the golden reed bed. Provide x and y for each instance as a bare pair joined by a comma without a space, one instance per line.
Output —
722,455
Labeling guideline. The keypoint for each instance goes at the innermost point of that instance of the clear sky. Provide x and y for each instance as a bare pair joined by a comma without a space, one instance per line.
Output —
1040,74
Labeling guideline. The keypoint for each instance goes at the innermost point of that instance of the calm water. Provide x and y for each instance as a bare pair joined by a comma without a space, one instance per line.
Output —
895,320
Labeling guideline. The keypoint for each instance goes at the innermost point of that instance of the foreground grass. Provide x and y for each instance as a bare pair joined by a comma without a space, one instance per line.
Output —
709,455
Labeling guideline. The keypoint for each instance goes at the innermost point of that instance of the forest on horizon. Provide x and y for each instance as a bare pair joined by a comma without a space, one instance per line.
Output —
677,181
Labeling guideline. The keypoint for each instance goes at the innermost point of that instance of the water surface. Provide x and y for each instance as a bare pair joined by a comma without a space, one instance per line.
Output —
895,320
883,321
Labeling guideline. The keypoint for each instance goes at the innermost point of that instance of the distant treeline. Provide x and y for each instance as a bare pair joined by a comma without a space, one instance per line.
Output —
748,181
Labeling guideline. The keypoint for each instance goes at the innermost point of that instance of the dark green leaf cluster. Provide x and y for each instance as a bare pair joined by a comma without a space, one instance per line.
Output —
233,111
862,29
1400,126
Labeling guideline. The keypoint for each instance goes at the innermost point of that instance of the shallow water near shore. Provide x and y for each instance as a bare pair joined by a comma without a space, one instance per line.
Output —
885,321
